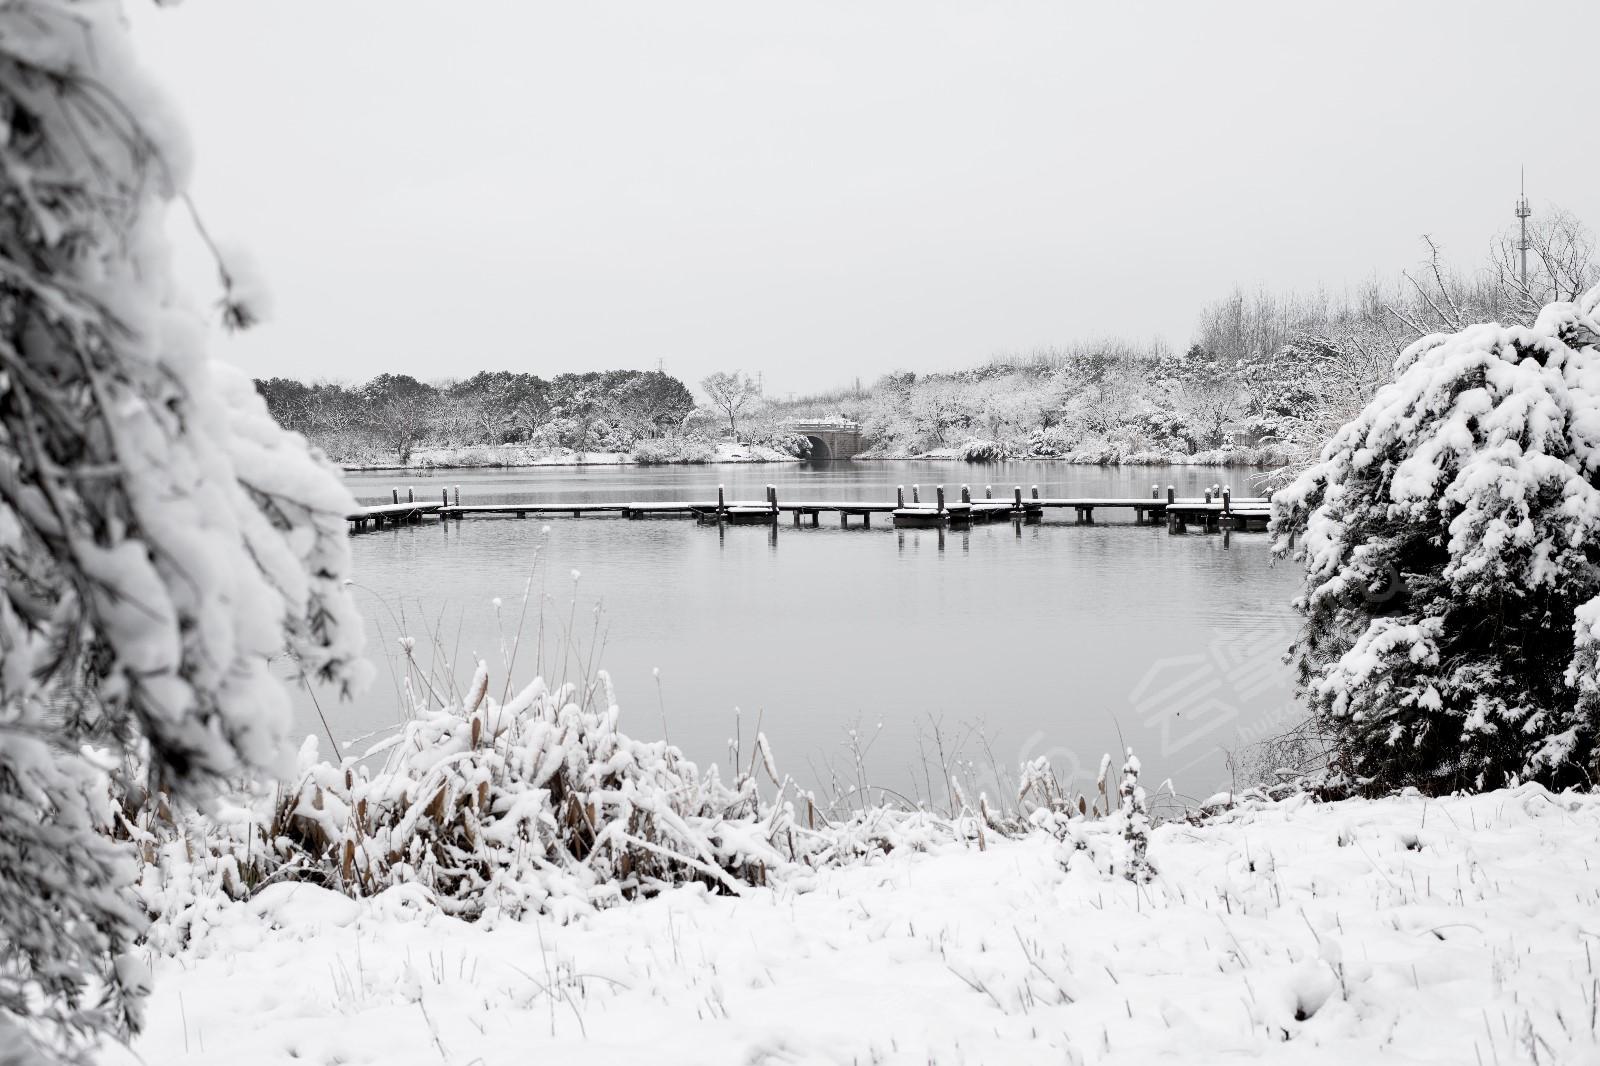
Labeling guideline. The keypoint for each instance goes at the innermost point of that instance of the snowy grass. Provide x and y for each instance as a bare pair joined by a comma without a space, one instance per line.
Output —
1457,930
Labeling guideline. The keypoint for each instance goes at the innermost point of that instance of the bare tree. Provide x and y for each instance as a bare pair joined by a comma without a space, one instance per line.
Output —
1561,263
730,394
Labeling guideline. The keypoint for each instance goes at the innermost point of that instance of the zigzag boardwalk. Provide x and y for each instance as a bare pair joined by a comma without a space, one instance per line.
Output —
1217,511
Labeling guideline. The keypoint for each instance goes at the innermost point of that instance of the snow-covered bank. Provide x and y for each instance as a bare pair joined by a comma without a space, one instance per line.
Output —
1260,458
1403,930
516,455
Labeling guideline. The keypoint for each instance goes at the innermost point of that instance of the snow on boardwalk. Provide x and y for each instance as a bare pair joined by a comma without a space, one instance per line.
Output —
1451,931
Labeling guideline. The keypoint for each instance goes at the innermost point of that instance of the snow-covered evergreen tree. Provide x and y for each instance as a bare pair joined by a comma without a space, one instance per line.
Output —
1134,814
160,536
1451,533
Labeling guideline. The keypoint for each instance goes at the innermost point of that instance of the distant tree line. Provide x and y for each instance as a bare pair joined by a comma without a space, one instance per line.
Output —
393,415
1266,379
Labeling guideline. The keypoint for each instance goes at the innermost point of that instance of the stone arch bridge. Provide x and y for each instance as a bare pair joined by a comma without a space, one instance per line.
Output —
830,439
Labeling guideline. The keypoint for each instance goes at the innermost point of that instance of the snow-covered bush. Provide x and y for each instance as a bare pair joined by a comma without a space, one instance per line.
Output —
160,536
1134,817
1450,534
765,429
1049,443
537,804
980,451
660,450
1112,839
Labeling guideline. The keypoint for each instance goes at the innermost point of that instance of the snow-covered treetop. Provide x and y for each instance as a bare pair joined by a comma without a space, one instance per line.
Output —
1478,423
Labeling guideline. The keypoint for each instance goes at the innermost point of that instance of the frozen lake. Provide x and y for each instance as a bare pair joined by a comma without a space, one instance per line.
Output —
1052,642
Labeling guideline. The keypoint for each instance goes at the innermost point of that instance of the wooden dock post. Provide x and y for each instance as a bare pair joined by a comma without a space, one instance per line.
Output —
1036,492
940,491
1016,497
395,492
1208,495
988,492
772,499
1172,494
722,503
966,494
1227,500
916,495
900,497
411,495
444,501
458,495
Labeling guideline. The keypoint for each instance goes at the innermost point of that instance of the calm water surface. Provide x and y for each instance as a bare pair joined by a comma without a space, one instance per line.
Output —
1018,641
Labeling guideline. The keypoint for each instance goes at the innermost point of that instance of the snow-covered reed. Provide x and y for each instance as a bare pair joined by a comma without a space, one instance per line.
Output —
538,804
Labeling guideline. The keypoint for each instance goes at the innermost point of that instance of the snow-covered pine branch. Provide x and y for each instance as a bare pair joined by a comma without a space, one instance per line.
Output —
160,537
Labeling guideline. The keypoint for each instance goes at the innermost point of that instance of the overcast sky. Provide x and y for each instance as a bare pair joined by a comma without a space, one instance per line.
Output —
828,190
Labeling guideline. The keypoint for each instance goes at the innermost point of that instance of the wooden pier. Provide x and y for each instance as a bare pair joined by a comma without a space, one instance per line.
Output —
1217,511
398,513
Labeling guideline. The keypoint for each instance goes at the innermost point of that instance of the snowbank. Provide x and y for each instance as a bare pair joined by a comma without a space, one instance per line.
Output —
517,455
1250,458
1408,930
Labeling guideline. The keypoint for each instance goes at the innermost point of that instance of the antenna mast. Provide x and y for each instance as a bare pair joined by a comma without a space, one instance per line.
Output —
1523,211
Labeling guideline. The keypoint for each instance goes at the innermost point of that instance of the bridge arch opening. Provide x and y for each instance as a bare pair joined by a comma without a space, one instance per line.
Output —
819,448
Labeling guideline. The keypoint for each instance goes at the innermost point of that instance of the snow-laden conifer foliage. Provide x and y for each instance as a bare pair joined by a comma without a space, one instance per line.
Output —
1450,534
160,537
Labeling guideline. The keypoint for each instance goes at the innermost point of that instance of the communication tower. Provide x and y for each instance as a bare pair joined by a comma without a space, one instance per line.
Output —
1523,211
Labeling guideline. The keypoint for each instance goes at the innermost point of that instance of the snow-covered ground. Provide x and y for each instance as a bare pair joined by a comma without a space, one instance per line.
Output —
515,455
1408,930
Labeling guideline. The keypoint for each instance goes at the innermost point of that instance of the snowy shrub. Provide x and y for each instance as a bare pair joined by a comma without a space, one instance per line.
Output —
538,804
1134,818
160,536
1052,442
1111,839
1450,534
980,451
659,450
795,444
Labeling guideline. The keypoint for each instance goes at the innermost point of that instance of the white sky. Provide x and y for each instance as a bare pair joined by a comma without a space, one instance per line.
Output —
833,189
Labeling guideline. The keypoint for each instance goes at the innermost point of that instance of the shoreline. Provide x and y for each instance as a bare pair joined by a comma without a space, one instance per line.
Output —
745,456
453,459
